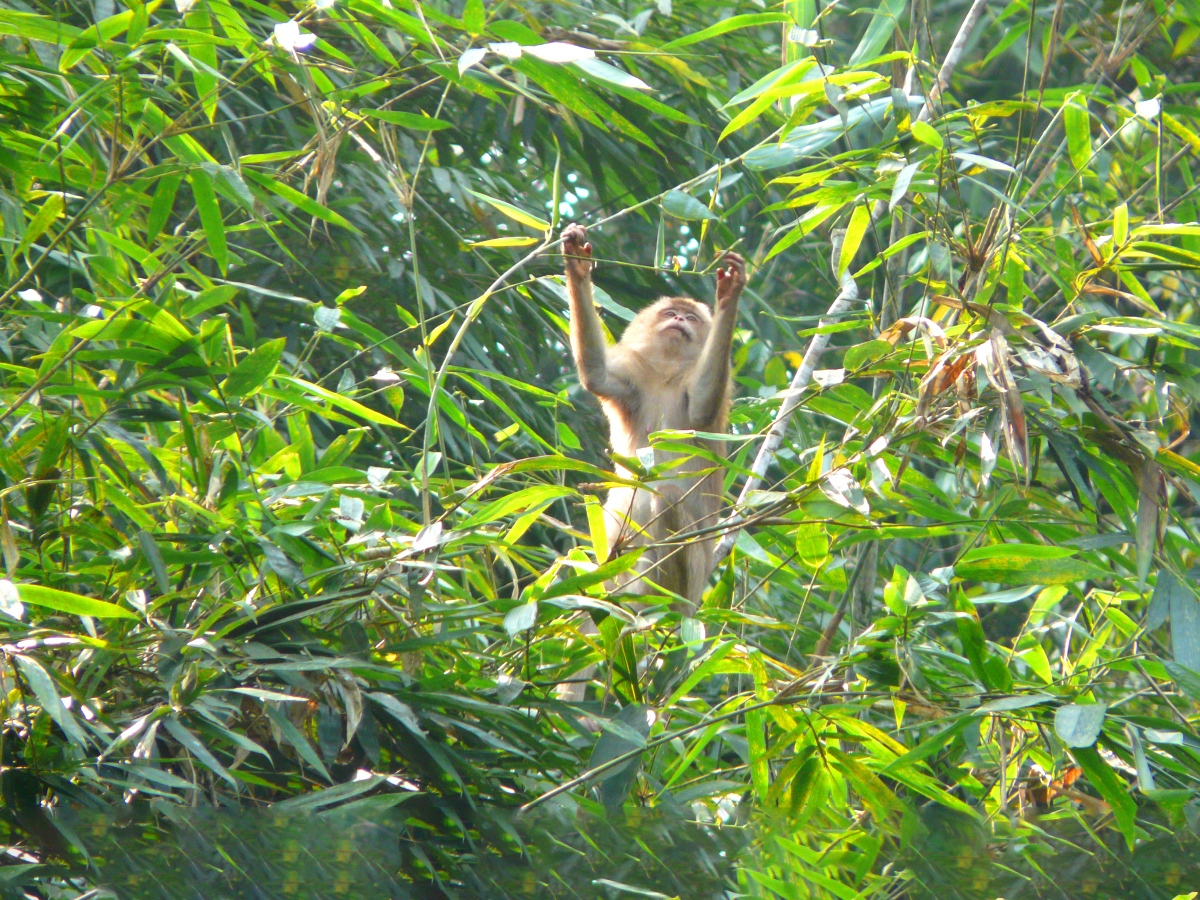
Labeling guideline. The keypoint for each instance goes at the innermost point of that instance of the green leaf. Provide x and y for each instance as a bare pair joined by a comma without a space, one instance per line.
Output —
1077,123
723,27
1027,571
525,241
860,220
345,403
154,556
210,217
1005,704
253,370
929,746
1187,680
513,212
1079,724
292,735
628,731
1121,225
1185,627
51,598
44,689
473,17
879,32
162,204
400,711
564,85
602,71
302,201
685,206
1016,551
903,179
407,120
1024,564
104,30
984,161
927,134
207,299
51,209
860,354
521,618
193,745
338,794
1113,789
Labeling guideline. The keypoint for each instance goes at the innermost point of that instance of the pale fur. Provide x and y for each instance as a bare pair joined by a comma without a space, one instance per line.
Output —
662,371
670,371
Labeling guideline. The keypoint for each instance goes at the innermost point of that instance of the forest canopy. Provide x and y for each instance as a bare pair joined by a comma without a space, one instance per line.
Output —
300,492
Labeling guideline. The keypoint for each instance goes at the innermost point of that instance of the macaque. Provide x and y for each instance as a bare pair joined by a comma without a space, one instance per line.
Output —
670,371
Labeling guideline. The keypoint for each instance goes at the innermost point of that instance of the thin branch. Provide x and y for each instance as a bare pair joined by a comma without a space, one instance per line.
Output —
953,58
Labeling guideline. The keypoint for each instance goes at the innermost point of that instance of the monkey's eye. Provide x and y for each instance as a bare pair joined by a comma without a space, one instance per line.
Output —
692,318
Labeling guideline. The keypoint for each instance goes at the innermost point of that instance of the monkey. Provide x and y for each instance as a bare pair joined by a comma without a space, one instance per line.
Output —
669,371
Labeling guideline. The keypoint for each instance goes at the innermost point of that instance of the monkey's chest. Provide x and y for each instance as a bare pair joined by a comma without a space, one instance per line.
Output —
659,408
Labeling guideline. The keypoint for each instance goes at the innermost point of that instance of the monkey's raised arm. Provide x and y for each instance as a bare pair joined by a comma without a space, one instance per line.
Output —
706,401
588,345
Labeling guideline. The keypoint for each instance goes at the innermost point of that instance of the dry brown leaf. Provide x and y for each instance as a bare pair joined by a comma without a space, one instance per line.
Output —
902,327
1012,407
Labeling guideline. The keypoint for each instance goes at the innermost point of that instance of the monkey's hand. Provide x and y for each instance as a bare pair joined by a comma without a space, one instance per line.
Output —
577,251
731,279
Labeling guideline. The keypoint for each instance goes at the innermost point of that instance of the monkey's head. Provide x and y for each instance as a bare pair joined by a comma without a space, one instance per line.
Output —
674,327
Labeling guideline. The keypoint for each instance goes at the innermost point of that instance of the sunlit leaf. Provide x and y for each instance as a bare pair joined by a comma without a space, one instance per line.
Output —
514,213
75,604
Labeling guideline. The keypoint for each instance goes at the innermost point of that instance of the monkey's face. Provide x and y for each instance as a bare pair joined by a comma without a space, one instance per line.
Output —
672,330
676,325
678,322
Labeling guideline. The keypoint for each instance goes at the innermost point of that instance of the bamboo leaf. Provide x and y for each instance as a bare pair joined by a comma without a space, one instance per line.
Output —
878,33
210,217
860,220
1077,123
1111,788
408,120
1079,724
51,209
62,601
302,201
685,206
927,134
47,694
253,369
515,213
724,27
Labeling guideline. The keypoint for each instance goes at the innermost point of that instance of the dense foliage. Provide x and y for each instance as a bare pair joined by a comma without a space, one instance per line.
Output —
299,492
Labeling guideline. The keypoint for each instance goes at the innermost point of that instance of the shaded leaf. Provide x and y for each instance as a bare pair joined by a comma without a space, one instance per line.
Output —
685,206
1079,724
